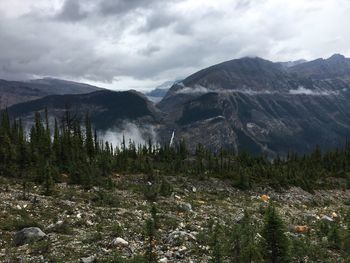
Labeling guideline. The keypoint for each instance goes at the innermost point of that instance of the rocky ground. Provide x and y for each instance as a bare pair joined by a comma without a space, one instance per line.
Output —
109,225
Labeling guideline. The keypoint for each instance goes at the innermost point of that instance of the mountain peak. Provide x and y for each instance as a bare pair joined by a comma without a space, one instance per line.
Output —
336,57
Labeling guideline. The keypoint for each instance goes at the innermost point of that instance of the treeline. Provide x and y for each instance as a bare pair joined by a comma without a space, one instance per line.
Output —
71,150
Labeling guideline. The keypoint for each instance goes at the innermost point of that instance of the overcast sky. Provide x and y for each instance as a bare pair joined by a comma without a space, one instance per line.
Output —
138,44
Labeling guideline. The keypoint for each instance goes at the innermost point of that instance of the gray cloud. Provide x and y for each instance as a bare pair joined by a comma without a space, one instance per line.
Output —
139,43
72,11
108,7
149,50
158,20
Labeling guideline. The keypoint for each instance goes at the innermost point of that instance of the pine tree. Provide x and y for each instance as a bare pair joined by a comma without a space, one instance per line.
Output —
89,141
48,182
276,243
217,249
150,232
250,249
244,247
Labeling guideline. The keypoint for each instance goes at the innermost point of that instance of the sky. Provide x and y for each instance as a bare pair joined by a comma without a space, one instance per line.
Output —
139,44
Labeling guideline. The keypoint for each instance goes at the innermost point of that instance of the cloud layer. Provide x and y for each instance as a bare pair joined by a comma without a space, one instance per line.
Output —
137,44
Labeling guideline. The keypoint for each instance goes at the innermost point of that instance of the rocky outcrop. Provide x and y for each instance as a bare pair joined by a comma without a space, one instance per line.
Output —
28,235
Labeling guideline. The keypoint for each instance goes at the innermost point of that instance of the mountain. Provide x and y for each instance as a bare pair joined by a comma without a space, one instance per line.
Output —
255,105
60,86
107,109
13,92
248,104
335,67
160,91
290,64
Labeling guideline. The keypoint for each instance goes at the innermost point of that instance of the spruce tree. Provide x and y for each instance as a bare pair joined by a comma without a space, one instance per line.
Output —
250,249
244,247
276,243
150,232
215,244
89,141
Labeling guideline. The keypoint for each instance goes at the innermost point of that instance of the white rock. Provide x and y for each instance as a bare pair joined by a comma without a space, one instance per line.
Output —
91,259
120,242
327,218
163,260
89,223
180,234
183,248
187,207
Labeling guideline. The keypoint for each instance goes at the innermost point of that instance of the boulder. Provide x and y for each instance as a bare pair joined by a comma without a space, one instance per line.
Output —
187,207
90,259
327,219
120,242
28,235
179,234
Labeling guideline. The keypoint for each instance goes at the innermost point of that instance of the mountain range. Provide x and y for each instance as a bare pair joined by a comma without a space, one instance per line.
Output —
13,92
107,109
248,104
158,93
255,105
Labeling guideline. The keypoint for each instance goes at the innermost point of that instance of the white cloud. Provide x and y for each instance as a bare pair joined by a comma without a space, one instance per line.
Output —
303,91
140,135
197,89
137,44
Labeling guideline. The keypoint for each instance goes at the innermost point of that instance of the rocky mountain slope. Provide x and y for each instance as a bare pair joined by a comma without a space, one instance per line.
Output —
263,107
13,92
106,108
109,225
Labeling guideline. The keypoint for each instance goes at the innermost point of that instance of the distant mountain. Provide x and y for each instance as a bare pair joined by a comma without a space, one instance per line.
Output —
335,67
160,91
248,104
255,105
60,86
13,92
289,64
107,109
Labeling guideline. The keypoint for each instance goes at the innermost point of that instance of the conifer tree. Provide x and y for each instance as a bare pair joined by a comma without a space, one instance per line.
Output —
89,141
150,232
243,242
276,243
216,246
